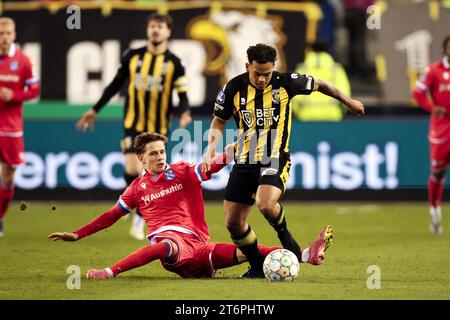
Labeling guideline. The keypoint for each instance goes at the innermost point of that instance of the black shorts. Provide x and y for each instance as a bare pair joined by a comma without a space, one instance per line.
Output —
245,179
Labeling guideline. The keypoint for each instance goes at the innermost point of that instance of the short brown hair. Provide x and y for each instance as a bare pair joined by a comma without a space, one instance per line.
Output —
161,18
145,138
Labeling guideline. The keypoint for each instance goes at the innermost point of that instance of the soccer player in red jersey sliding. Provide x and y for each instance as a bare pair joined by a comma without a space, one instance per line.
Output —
171,202
436,84
17,85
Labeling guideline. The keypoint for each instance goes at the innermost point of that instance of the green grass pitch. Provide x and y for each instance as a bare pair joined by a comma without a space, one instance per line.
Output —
413,264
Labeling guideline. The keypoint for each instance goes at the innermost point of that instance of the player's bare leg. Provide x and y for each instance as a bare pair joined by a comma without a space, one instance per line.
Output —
435,190
243,237
6,191
133,168
267,198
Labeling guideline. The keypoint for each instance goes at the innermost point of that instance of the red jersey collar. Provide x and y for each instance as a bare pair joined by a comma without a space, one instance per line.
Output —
146,173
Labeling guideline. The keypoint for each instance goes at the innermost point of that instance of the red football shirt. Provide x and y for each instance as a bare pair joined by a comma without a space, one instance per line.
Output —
172,200
15,74
437,84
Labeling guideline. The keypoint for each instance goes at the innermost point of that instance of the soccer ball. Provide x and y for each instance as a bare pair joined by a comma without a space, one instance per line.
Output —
281,265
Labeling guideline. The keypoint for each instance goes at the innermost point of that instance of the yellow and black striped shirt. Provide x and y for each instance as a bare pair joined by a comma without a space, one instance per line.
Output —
148,103
263,117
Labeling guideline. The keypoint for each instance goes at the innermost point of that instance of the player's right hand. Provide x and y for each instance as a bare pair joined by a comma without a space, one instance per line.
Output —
208,159
65,236
86,121
439,111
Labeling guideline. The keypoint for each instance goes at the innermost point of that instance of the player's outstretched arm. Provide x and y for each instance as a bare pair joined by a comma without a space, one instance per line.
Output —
355,106
102,222
65,236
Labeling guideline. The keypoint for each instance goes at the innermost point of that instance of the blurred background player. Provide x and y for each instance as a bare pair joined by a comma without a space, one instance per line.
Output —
177,229
17,85
436,84
153,72
320,107
259,99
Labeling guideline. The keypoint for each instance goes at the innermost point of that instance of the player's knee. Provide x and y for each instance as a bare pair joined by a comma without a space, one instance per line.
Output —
8,176
235,228
266,208
438,174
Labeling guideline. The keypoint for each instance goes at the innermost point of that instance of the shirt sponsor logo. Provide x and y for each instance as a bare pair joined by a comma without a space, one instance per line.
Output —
294,75
217,107
9,78
153,196
444,87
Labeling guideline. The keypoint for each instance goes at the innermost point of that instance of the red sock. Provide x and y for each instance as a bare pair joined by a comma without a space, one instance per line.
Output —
141,256
435,190
265,250
224,256
6,196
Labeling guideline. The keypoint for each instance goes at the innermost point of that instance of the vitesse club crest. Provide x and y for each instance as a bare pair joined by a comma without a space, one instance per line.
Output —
276,96
170,175
247,116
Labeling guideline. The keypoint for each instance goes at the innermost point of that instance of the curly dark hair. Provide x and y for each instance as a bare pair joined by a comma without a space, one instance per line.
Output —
261,53
145,138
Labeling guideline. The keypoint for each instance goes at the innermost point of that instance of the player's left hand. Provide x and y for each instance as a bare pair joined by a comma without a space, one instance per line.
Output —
185,119
65,236
356,107
6,94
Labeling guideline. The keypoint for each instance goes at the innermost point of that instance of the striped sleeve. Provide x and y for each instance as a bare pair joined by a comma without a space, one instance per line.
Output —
123,206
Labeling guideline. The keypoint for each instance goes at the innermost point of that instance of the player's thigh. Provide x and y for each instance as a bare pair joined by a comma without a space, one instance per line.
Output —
242,184
267,196
236,215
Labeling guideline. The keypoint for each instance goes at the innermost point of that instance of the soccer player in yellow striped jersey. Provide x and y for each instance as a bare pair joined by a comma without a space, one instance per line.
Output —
152,73
259,100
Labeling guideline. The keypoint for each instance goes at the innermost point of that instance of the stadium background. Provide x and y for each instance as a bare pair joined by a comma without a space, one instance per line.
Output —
382,156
